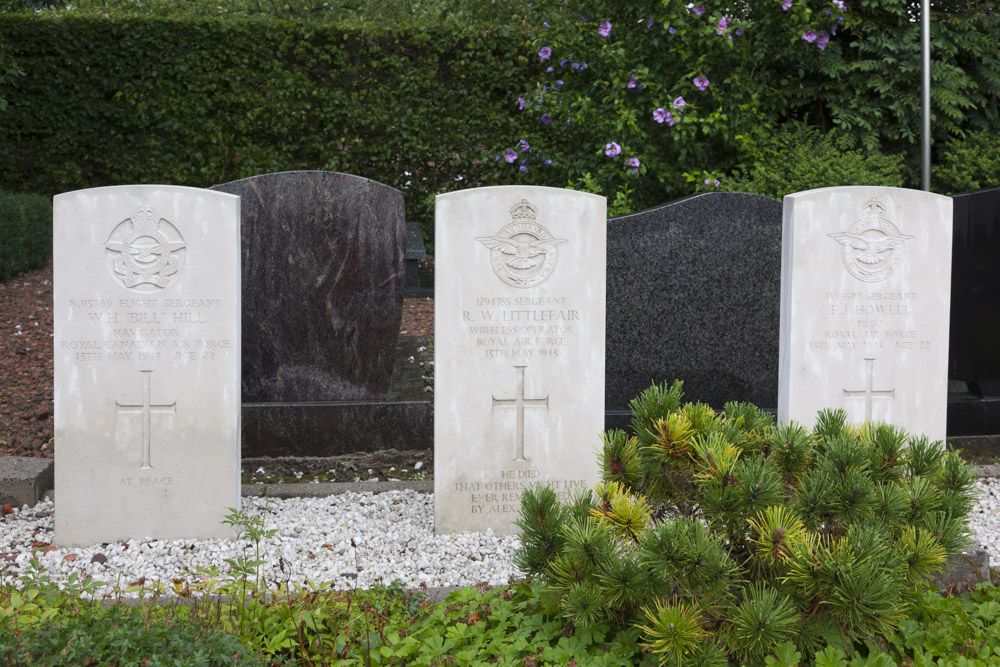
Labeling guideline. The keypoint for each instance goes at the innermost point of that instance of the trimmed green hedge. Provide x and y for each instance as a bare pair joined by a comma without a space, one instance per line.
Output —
197,102
26,230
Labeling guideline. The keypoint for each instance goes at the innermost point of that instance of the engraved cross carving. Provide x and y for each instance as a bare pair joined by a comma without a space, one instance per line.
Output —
520,402
145,408
868,393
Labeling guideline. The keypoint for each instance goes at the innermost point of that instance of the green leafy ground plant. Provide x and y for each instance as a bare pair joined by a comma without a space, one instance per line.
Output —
723,536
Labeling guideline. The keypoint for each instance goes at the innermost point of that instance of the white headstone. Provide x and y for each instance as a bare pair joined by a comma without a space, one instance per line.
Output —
865,293
147,363
519,350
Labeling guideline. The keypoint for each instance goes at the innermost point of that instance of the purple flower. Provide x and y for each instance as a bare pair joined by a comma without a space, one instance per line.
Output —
708,181
721,25
611,149
840,4
559,83
524,170
739,31
510,155
563,62
547,161
545,23
660,114
786,5
550,69
671,30
699,10
521,103
822,40
604,29
524,145
672,120
544,53
545,119
576,65
650,23
809,36
700,82
632,81
679,103
496,158
632,162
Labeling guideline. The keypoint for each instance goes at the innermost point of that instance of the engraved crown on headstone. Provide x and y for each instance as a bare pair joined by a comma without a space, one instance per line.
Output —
523,211
873,209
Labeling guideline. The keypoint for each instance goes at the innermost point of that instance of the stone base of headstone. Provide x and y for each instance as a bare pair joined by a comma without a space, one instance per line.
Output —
334,428
24,480
964,572
331,428
974,416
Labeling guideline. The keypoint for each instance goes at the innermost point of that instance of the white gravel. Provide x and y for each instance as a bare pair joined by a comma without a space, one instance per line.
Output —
984,519
392,534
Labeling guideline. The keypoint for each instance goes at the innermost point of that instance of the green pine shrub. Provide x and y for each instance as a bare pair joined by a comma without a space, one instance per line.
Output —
26,230
723,536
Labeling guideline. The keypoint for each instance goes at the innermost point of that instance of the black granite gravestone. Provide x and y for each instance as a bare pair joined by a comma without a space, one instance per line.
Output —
693,294
974,336
416,253
322,301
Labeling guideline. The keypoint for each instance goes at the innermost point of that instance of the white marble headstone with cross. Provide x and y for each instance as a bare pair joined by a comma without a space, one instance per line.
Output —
147,363
519,350
865,295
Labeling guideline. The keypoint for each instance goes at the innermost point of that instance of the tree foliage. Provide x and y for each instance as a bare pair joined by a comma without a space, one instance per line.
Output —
642,101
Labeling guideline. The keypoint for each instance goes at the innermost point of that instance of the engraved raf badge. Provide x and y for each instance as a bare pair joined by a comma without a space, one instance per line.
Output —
145,250
872,248
523,254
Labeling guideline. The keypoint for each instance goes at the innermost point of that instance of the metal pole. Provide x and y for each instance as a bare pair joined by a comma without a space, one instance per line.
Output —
925,30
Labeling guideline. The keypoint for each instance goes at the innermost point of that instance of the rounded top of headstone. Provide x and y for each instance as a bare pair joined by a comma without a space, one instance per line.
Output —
864,191
529,191
138,190
736,203
308,174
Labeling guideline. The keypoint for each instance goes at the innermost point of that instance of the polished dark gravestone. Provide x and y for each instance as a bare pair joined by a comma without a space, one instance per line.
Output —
693,294
974,337
322,301
416,284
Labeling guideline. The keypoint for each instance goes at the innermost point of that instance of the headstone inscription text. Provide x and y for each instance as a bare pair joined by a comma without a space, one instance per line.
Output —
519,350
866,283
147,362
